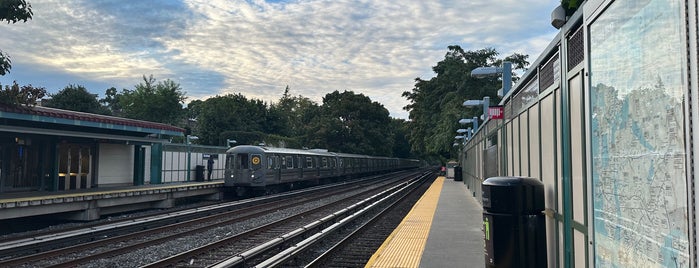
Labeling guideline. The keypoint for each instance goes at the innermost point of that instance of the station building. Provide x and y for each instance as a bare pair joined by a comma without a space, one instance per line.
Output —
46,149
604,118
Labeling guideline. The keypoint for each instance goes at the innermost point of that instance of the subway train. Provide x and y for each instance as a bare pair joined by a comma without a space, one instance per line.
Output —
256,170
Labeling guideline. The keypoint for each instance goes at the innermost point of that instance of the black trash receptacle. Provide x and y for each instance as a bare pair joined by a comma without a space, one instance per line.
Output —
457,173
513,222
199,173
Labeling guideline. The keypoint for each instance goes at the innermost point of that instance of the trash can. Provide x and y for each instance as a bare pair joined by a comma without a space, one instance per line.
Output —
457,173
199,173
513,222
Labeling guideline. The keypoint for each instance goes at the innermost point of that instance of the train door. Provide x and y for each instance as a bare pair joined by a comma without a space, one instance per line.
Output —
299,166
241,169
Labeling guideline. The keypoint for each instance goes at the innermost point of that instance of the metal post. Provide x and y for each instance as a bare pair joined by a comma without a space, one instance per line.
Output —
506,77
189,159
189,154
486,106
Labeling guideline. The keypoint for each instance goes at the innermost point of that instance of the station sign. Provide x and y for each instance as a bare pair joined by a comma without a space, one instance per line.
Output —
496,112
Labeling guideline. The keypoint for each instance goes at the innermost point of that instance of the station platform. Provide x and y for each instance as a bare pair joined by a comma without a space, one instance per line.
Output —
444,229
90,204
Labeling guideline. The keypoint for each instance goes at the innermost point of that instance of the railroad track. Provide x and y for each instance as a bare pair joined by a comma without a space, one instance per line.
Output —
288,240
110,243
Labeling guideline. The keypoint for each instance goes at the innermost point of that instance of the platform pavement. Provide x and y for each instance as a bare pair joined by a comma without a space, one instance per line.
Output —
456,235
442,230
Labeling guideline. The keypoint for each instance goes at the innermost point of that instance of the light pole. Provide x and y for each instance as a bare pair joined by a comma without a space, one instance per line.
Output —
505,70
230,141
189,154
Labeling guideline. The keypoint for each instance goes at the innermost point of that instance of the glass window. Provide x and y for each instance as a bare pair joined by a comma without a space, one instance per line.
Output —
289,162
309,162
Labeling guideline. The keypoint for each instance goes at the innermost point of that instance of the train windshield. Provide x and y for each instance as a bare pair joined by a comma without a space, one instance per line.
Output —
241,161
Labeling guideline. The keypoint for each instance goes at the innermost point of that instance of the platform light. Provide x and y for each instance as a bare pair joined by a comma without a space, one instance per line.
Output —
465,121
485,102
505,70
230,141
473,120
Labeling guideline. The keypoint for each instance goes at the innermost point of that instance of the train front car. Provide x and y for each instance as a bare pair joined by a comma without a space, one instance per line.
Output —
245,168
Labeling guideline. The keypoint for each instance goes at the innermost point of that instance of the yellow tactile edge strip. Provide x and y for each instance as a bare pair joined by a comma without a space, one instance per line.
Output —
404,247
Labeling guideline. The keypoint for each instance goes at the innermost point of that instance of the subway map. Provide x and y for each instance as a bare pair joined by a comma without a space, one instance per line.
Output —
637,136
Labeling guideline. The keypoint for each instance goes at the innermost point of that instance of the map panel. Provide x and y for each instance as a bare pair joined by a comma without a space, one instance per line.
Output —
637,135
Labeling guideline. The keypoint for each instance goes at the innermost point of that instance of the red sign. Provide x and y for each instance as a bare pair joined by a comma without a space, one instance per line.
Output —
496,112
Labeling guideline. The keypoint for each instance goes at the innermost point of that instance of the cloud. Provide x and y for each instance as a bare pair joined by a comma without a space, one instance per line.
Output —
256,48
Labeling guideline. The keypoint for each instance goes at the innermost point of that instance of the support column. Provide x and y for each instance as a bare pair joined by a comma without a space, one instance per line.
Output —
139,165
156,163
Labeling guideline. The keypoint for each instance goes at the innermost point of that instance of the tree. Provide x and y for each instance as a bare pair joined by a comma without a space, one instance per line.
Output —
111,101
435,104
297,113
17,96
161,102
401,144
12,11
232,112
570,6
76,98
352,123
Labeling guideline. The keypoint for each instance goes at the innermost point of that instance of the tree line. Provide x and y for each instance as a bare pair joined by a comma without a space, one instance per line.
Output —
344,122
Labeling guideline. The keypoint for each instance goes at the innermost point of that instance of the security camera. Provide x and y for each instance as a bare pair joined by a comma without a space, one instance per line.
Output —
558,17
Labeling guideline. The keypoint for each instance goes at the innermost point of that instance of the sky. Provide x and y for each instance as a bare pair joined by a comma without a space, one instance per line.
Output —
257,48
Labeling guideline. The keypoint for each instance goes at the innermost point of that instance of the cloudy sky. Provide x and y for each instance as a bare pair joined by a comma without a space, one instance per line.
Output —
257,48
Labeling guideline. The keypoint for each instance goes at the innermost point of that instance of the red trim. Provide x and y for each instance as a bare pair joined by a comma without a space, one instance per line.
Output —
58,113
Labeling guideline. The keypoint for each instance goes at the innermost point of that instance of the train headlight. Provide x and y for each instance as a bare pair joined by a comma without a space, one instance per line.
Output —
252,176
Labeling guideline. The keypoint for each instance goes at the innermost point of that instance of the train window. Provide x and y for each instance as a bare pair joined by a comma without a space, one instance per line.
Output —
230,161
283,159
270,163
309,162
242,161
289,162
325,162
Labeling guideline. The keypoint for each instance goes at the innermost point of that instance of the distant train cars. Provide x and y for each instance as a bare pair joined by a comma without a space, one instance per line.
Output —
259,169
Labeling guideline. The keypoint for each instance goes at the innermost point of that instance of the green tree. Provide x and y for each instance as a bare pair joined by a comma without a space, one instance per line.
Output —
352,123
150,101
297,113
401,145
12,11
76,98
436,104
17,96
232,112
111,101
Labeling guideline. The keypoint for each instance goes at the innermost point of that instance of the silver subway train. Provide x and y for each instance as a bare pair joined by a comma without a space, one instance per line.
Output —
259,169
